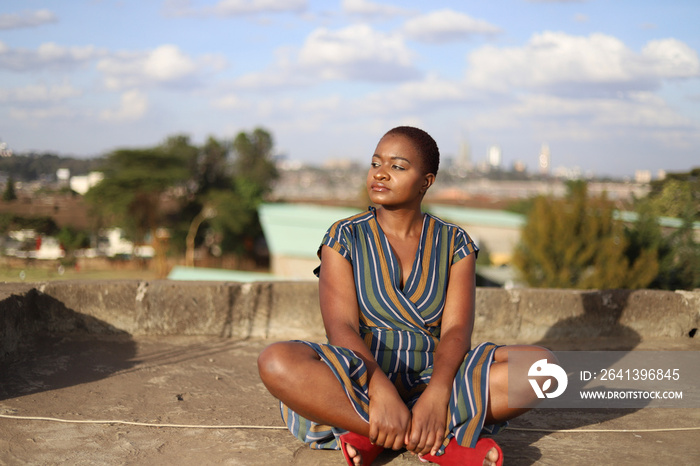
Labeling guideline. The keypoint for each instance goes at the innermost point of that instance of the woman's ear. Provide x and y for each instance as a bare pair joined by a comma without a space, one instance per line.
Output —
428,182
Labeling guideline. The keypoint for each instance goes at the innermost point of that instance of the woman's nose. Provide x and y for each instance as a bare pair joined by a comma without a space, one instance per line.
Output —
380,174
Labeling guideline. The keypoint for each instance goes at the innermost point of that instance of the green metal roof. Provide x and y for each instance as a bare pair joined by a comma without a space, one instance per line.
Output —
297,229
669,222
481,217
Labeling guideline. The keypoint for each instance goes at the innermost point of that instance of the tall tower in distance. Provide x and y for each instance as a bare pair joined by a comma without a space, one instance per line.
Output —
495,157
464,158
545,159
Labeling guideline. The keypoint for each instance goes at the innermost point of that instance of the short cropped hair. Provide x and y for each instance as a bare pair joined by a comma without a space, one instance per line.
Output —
424,143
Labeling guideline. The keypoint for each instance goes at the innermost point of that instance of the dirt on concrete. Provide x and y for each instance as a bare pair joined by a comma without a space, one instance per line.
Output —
203,403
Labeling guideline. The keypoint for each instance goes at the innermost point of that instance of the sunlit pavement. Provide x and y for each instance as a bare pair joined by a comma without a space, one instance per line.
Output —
200,401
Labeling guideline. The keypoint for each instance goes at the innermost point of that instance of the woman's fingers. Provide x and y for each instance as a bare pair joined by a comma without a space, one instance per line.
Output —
416,439
425,439
434,445
388,436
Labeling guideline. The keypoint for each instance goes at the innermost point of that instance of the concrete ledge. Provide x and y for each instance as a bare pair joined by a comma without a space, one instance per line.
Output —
288,310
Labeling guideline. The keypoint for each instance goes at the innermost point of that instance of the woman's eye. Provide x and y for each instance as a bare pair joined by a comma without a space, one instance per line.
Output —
397,167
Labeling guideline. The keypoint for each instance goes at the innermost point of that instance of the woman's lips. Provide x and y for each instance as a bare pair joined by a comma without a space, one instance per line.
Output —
379,187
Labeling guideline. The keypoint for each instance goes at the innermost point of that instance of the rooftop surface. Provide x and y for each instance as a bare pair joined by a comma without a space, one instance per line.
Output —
200,401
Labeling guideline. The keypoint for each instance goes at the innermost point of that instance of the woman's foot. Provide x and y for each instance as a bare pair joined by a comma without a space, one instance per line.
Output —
491,457
486,453
358,450
354,457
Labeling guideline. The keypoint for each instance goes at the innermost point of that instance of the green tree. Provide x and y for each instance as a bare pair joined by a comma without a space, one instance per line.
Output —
212,169
576,242
253,164
253,174
677,196
9,194
72,239
172,184
42,225
210,172
138,182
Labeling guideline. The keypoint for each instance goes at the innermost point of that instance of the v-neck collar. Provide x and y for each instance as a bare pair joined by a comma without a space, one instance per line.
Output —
395,267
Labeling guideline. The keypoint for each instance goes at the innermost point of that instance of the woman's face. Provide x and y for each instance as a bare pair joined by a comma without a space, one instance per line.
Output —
397,175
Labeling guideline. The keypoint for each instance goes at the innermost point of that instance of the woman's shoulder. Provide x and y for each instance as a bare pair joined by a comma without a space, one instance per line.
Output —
443,224
356,219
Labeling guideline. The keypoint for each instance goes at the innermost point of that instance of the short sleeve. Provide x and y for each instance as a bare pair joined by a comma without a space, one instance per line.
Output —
464,246
338,238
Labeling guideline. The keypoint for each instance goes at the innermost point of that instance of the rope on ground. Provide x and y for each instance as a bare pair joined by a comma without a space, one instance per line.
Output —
197,426
588,431
134,423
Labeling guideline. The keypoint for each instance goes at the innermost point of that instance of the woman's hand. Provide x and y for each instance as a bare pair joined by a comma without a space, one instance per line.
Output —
389,416
428,418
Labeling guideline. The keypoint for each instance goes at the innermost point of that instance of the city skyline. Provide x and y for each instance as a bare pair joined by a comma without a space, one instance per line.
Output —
610,87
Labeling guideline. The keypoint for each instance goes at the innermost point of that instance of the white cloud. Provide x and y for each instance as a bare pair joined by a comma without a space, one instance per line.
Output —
48,113
33,93
26,19
558,62
372,9
234,7
47,55
447,25
637,116
671,58
237,7
133,105
357,52
229,102
422,95
166,64
282,78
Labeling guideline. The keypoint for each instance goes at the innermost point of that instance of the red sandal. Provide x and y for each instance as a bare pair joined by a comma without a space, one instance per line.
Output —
362,446
457,455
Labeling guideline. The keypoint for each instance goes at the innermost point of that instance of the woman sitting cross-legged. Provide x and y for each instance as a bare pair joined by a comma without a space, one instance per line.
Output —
397,296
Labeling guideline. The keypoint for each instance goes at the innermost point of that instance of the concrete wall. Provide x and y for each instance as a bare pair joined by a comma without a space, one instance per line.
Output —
288,310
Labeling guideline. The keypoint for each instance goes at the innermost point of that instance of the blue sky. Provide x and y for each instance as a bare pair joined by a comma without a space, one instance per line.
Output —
610,86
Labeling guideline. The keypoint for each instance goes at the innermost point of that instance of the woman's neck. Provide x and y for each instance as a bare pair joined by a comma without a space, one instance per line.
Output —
400,223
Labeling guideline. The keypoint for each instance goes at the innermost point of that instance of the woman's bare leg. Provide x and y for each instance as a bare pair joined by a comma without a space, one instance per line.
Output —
294,374
497,409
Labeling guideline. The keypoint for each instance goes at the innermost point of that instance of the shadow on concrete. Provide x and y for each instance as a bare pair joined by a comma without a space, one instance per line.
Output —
57,347
585,332
580,333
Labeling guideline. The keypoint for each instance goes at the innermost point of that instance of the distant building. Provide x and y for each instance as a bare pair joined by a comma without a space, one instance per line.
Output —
642,176
82,184
4,150
339,164
464,159
495,156
63,176
545,160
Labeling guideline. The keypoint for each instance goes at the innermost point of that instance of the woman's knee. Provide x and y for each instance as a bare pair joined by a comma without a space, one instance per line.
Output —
277,363
525,354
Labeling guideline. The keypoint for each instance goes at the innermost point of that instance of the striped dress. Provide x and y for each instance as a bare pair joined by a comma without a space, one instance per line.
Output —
401,326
